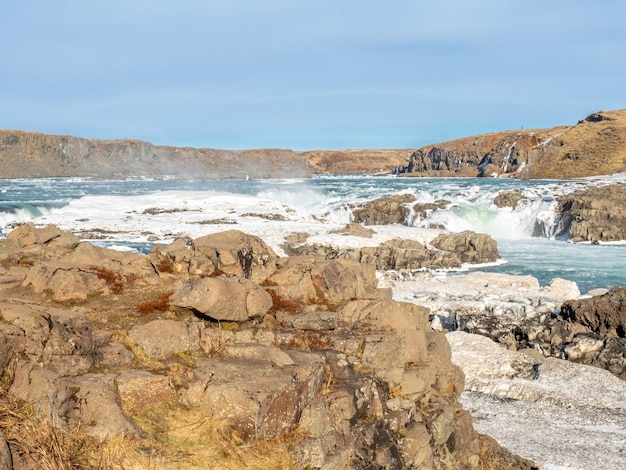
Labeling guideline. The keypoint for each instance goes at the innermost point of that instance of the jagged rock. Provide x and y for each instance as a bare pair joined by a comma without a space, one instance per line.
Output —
60,340
471,247
604,314
162,338
307,280
509,198
397,254
113,355
44,388
258,398
421,210
222,298
353,229
238,254
95,403
140,389
594,214
363,376
384,211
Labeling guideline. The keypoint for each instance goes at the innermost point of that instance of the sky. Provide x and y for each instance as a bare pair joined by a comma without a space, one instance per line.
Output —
307,74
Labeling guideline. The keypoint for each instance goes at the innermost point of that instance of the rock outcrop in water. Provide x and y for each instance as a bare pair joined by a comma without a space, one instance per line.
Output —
594,146
308,351
594,214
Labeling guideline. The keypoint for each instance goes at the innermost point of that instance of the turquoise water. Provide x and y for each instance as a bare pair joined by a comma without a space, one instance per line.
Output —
524,236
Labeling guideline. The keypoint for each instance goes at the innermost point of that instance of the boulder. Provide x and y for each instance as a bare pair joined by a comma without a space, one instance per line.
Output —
306,280
238,254
593,214
60,340
470,247
603,314
509,198
256,397
222,298
140,389
96,405
162,338
384,211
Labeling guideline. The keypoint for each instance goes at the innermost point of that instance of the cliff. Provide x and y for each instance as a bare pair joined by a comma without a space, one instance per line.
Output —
35,155
594,146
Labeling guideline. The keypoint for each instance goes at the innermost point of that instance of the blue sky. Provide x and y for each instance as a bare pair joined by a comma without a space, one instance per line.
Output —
321,74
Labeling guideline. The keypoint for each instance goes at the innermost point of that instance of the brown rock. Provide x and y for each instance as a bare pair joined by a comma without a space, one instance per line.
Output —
258,398
604,314
237,254
384,211
594,214
140,389
95,403
307,280
508,198
61,340
162,338
471,247
222,298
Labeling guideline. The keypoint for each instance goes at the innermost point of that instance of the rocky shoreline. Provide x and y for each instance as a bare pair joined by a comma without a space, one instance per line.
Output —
298,347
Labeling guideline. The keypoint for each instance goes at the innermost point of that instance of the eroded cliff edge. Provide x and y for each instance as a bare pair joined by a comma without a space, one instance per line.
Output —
594,146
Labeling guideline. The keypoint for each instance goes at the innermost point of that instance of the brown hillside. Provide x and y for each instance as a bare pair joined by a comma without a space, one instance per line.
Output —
594,146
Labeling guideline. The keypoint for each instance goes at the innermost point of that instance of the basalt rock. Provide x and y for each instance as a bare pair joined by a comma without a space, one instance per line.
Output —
384,211
508,198
319,353
445,251
594,214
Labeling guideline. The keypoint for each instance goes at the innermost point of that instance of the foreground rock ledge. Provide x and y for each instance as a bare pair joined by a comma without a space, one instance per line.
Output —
96,337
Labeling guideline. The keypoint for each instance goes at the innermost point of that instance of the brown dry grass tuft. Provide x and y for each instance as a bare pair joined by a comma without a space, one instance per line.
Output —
40,441
160,303
281,304
112,278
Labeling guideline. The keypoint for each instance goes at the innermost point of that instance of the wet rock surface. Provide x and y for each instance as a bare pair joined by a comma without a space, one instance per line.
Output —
597,214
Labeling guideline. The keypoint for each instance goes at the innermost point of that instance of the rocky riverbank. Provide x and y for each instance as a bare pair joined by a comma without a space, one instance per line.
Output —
150,351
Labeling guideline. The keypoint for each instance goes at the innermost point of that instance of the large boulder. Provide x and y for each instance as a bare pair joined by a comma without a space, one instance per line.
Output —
508,198
255,396
162,338
604,314
222,298
238,254
470,247
384,211
60,340
306,280
594,214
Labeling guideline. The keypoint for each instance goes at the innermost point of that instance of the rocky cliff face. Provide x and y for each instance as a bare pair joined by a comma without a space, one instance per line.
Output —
146,351
594,146
34,155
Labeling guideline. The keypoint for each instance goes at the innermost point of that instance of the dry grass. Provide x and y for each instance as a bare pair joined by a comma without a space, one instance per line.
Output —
175,438
40,441
189,439
113,279
281,304
159,303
